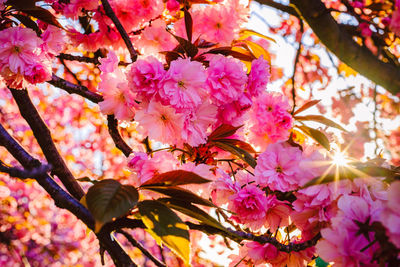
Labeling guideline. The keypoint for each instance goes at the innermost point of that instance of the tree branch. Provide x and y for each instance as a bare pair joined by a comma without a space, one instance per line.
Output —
114,133
43,136
137,244
24,173
287,9
64,200
75,89
124,35
345,48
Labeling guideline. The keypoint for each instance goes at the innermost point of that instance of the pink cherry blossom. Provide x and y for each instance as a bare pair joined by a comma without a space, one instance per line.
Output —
160,122
277,213
390,216
223,188
258,76
249,205
226,79
183,84
278,167
145,76
270,120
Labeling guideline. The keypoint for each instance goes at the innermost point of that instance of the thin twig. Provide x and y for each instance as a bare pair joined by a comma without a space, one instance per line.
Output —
137,244
296,60
124,35
75,89
43,137
116,137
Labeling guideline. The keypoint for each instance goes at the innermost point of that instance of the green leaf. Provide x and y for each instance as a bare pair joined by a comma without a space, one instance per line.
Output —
177,177
166,227
179,194
320,262
320,119
192,211
241,153
306,106
225,130
317,135
109,199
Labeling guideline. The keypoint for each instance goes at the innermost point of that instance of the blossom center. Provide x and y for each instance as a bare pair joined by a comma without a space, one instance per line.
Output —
17,49
163,117
279,169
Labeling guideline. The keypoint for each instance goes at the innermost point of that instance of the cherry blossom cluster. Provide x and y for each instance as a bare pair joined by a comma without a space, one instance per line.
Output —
27,58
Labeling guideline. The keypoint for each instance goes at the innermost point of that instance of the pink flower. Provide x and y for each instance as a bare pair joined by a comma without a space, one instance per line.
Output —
226,79
341,242
54,40
118,99
160,122
19,51
249,205
278,167
270,120
365,29
155,38
223,188
109,63
395,21
144,77
183,84
390,216
277,213
38,73
197,122
173,5
258,76
146,167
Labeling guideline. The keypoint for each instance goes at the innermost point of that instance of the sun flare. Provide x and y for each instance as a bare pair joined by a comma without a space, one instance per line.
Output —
340,159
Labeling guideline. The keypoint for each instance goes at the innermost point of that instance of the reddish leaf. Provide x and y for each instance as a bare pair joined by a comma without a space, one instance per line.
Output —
227,51
188,24
179,194
190,49
201,43
238,143
306,106
241,153
178,177
225,130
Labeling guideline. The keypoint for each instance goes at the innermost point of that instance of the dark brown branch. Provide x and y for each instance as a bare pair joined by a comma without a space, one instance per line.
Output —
92,60
24,173
116,137
137,244
345,48
287,9
79,58
236,236
124,35
75,89
62,199
43,136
